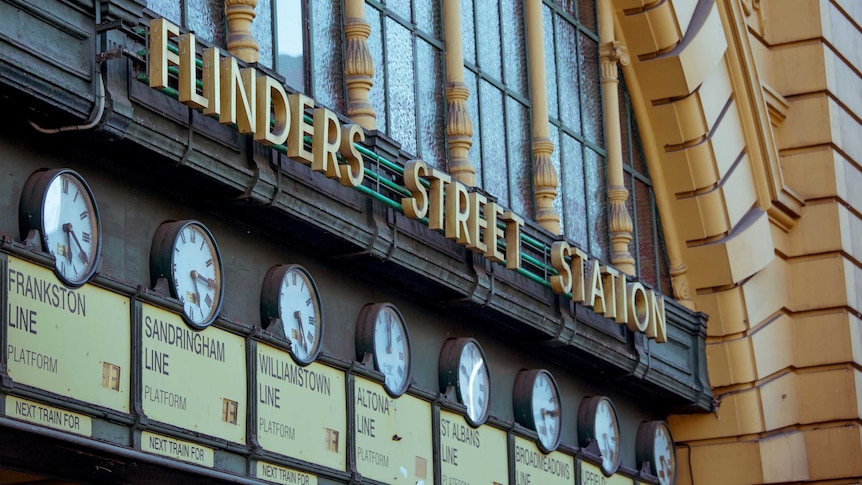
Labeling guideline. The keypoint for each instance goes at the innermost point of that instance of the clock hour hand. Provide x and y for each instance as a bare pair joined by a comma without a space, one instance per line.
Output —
298,317
81,253
194,275
209,281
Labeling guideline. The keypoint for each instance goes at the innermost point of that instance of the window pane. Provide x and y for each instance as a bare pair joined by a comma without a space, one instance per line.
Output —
520,161
261,28
377,95
469,28
574,194
567,63
327,63
400,8
514,40
494,143
290,62
402,102
587,14
591,85
428,16
207,20
169,9
550,61
488,29
597,204
431,123
475,153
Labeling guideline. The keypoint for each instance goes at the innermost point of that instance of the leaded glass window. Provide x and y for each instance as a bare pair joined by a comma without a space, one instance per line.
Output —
575,112
203,17
406,45
495,58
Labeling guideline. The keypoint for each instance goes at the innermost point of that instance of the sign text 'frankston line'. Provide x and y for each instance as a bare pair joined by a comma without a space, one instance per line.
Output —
259,106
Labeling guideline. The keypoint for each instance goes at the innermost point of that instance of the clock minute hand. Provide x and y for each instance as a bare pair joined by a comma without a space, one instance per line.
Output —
298,317
71,232
209,281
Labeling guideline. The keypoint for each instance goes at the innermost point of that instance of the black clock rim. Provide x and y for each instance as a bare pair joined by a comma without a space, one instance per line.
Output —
365,324
587,427
270,305
162,259
522,403
645,446
31,216
450,359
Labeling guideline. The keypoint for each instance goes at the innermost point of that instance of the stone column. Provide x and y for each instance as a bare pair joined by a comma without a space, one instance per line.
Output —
240,41
358,66
544,175
620,223
459,126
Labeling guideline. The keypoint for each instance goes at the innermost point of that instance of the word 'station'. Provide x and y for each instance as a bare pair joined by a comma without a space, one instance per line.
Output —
193,379
62,340
462,446
532,467
392,436
301,411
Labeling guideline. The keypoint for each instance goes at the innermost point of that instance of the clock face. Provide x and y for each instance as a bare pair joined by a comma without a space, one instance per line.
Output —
608,433
655,445
474,382
185,253
382,340
68,220
297,305
196,274
537,406
598,422
392,349
546,410
665,456
463,367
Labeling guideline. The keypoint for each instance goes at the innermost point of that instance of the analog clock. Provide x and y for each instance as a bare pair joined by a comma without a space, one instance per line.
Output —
290,301
464,367
59,206
655,444
185,254
537,406
382,334
597,421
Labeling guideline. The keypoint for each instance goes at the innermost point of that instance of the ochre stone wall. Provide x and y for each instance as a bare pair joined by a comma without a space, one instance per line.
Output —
751,114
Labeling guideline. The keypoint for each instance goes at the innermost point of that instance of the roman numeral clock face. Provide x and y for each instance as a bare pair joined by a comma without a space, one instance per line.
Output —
60,206
537,406
185,253
464,368
290,300
382,334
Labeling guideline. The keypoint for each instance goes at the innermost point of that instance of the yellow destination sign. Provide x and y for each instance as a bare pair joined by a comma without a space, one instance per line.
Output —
285,476
193,379
593,475
392,436
301,411
532,467
462,447
177,449
43,415
70,342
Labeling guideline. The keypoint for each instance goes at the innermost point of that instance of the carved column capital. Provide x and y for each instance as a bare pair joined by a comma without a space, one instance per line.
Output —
545,182
359,72
679,282
459,127
240,41
621,228
611,53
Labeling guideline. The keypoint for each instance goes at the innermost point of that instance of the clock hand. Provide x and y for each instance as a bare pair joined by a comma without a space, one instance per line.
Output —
209,281
298,317
67,228
194,275
71,232
389,338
